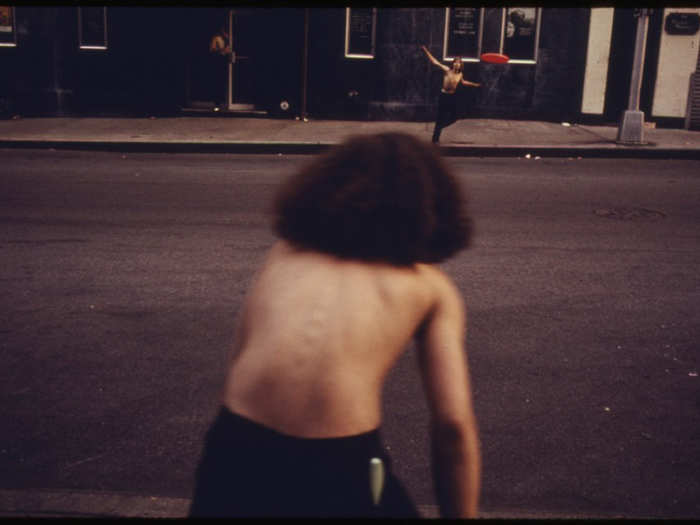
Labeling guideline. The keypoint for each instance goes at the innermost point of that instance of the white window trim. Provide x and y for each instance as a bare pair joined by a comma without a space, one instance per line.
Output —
14,30
480,37
538,26
80,32
347,35
538,22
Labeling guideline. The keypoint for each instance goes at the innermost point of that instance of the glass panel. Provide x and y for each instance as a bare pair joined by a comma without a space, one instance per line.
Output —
520,38
491,41
7,26
463,32
359,32
93,27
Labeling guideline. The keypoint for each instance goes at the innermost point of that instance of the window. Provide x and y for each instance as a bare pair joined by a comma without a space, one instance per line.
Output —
464,26
521,32
92,27
8,33
360,28
514,31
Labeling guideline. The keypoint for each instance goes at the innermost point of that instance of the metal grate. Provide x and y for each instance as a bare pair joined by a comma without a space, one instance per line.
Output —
692,117
692,112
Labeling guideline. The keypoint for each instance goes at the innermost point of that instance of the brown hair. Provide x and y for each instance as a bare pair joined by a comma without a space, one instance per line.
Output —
386,197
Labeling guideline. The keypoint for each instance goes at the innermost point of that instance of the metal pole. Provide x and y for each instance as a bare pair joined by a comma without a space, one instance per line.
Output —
304,63
631,130
229,65
638,64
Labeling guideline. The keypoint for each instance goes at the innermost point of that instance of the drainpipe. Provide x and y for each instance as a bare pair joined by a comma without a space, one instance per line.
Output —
305,64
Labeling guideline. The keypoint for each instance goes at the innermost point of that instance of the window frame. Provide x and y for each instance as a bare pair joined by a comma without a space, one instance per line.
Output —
347,36
480,37
538,23
92,47
13,14
482,14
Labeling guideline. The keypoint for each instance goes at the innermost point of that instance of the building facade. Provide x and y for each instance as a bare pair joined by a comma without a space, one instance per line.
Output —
571,64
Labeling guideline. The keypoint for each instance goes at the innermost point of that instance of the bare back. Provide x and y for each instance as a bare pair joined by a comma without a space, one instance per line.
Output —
316,338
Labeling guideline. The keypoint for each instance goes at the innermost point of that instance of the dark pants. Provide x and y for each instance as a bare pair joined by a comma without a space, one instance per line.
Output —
218,79
446,115
249,470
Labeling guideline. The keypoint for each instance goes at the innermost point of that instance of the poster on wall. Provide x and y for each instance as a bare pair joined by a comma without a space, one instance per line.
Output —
92,27
463,28
7,25
359,32
519,41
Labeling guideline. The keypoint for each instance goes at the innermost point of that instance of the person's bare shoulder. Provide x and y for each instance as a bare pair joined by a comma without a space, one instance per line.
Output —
441,284
447,306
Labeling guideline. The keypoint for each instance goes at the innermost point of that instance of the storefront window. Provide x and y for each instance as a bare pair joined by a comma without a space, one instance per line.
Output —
360,27
8,33
521,31
463,28
92,27
471,31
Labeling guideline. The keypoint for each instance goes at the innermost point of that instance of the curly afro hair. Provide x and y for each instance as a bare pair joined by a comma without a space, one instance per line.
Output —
387,197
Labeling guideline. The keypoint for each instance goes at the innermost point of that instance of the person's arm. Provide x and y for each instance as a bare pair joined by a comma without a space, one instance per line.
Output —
219,45
213,45
228,48
469,83
444,370
434,60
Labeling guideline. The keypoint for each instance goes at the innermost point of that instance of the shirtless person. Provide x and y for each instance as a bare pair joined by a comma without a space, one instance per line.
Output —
447,103
351,281
220,52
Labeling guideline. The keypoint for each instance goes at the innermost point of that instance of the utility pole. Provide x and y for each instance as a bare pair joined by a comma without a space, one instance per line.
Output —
305,65
631,130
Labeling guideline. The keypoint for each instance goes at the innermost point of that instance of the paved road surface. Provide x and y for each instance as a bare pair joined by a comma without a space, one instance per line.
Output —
122,274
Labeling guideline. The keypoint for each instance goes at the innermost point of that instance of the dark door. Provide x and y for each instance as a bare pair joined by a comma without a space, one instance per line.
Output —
245,59
263,71
620,64
207,73
267,47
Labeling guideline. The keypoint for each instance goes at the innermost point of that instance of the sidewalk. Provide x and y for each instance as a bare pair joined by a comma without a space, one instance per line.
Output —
237,134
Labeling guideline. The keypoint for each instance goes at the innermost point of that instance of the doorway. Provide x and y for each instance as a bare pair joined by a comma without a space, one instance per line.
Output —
221,81
261,75
241,68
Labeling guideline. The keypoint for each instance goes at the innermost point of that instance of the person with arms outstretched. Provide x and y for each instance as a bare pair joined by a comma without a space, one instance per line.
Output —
447,103
352,279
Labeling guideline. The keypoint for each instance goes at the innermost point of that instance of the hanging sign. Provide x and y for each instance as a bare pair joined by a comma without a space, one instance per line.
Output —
682,23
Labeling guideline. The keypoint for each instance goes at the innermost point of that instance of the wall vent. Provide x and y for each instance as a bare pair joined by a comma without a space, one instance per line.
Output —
692,112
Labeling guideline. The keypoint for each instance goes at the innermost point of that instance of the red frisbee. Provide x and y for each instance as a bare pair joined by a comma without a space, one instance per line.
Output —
494,58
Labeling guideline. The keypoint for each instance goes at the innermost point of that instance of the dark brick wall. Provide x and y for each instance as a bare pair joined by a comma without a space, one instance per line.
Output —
145,70
401,84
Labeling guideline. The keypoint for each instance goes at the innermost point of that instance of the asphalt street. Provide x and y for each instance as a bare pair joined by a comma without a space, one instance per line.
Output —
122,274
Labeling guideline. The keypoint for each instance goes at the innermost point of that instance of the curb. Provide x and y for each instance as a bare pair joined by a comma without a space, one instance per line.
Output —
172,147
58,503
90,504
311,148
87,504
